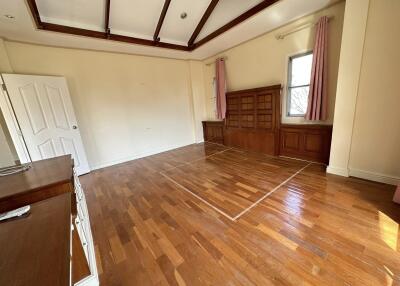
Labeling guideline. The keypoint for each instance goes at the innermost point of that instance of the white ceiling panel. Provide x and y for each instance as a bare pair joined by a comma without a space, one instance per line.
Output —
135,18
176,30
224,12
88,14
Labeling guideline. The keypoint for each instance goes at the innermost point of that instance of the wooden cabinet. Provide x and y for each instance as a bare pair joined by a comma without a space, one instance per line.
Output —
253,122
253,119
213,131
308,142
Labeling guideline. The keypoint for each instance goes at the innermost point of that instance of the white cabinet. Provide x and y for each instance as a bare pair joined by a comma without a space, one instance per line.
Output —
83,228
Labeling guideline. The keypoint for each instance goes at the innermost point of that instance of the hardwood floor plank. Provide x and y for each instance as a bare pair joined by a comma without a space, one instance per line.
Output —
315,229
117,250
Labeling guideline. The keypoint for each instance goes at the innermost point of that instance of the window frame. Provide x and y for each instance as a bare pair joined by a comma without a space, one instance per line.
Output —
289,87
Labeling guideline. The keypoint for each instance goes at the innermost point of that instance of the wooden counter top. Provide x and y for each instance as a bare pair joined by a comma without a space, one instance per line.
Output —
35,250
45,179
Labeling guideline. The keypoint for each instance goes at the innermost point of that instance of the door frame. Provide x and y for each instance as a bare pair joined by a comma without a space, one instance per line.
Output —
12,125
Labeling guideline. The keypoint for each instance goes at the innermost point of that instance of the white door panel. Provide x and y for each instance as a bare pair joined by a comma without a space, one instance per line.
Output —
44,111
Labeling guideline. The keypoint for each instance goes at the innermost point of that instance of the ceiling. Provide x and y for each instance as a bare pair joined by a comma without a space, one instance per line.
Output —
153,27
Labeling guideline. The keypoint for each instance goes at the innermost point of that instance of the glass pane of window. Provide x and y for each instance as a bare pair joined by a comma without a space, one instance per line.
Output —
301,70
298,100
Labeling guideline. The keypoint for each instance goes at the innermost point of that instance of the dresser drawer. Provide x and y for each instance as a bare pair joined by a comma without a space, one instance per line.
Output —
82,223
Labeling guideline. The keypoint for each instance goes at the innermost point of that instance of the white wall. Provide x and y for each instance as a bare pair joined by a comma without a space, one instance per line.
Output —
264,60
127,106
198,95
8,154
355,21
375,149
368,146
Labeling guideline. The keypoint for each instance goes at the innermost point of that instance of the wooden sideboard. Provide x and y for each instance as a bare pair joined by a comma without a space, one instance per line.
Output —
52,245
308,142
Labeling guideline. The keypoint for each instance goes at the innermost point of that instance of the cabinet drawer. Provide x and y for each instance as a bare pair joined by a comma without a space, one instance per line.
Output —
82,232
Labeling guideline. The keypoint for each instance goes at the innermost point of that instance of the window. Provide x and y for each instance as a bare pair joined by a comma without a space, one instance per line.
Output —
299,84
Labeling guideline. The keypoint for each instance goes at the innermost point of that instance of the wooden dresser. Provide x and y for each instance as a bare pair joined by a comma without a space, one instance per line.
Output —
53,244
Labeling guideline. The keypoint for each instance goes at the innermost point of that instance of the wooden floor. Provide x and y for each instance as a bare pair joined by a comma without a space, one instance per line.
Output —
209,215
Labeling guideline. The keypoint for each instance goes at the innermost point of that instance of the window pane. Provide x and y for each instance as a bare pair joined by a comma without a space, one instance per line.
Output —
301,70
298,100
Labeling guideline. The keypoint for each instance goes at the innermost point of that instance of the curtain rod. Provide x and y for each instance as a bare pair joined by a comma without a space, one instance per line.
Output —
211,63
299,28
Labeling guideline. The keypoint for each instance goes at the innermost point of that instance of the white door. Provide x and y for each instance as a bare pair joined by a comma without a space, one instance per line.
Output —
46,117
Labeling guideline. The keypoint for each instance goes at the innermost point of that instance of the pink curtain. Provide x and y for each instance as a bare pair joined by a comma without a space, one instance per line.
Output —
318,97
221,88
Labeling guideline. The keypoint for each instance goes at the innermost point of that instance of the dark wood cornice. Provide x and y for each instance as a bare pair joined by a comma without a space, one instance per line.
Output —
161,20
249,13
203,20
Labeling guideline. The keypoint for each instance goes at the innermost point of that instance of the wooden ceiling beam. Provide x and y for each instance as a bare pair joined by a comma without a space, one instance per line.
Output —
107,17
156,42
113,37
246,15
161,20
203,21
35,13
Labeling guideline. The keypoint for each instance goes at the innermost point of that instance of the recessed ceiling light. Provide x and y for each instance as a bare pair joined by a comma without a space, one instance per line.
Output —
183,15
9,16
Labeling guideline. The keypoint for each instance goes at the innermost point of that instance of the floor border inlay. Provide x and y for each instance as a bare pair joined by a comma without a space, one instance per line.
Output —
235,218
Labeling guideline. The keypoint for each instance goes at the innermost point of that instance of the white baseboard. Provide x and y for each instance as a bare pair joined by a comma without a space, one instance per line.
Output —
376,177
139,155
337,171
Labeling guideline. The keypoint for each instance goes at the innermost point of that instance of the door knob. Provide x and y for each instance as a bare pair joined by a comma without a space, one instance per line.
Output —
74,127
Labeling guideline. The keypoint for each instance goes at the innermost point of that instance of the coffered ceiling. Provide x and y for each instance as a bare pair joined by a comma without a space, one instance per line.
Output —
170,28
